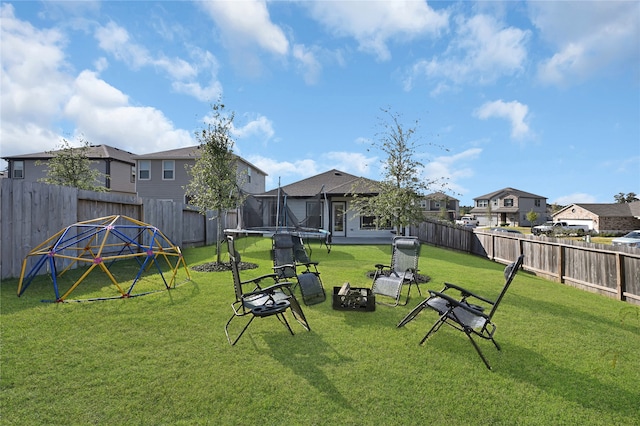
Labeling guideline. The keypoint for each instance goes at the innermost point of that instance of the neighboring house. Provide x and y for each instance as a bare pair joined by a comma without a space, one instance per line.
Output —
508,206
115,164
439,203
614,217
163,175
333,191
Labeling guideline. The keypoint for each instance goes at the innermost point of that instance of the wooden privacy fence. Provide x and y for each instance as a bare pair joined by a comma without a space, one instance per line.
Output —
594,267
32,212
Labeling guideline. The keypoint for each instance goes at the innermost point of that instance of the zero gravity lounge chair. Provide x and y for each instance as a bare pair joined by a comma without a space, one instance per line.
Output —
466,313
389,279
289,256
260,301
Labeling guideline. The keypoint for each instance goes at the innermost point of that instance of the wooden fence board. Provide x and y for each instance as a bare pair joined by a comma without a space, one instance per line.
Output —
30,213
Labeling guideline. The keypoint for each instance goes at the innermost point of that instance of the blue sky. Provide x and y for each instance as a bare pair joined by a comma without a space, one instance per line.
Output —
542,96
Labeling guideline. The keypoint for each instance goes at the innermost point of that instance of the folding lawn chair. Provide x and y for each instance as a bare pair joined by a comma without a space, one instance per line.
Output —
466,314
289,255
388,280
261,301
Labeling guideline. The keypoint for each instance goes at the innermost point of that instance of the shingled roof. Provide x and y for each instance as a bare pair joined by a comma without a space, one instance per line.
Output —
93,152
335,182
609,209
508,191
186,153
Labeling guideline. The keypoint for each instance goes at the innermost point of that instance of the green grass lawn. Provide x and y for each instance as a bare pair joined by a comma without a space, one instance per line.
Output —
568,356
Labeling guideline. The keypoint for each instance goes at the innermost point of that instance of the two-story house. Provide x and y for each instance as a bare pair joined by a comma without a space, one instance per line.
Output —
508,206
163,175
438,204
116,165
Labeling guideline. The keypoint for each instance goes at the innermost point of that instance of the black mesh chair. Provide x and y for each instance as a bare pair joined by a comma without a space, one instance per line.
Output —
467,312
260,301
291,262
389,279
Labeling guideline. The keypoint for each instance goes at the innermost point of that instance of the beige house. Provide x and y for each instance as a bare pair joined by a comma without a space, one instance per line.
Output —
163,175
509,206
614,217
116,165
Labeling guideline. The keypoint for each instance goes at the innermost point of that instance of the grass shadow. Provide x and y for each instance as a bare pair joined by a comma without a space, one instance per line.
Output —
307,358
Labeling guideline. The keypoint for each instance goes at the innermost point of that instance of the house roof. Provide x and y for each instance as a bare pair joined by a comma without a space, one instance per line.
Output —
439,195
94,152
332,182
502,193
608,209
185,153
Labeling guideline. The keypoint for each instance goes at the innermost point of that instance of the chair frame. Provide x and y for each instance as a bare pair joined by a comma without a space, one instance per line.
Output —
469,318
399,277
261,302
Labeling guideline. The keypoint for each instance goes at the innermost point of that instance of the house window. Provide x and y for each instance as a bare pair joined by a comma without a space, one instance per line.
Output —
133,174
508,202
144,171
369,222
168,168
482,203
423,204
537,202
248,174
18,169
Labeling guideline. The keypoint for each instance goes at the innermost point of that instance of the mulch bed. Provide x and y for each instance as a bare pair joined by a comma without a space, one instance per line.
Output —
222,267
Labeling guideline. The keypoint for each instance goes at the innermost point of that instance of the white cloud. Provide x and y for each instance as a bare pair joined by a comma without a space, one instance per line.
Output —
481,51
450,169
34,84
589,36
39,92
103,115
115,40
514,111
578,197
308,63
351,162
373,24
247,23
288,171
260,127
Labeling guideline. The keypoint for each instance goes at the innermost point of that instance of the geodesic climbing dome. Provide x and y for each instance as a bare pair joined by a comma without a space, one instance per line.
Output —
98,244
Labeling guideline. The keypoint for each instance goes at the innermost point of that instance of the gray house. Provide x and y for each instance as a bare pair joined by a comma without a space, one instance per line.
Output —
508,206
613,217
333,191
439,203
115,164
162,175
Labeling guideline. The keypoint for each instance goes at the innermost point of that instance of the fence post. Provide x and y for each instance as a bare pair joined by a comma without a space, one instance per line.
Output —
620,284
561,263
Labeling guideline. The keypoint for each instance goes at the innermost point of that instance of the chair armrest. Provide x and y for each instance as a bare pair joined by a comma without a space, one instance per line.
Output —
466,293
269,290
257,280
381,266
453,303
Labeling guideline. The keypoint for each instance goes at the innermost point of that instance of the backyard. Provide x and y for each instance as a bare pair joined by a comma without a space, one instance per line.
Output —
568,356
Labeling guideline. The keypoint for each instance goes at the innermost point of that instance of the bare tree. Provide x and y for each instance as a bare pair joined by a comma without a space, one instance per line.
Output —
215,183
397,202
